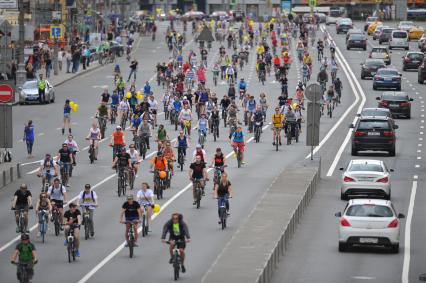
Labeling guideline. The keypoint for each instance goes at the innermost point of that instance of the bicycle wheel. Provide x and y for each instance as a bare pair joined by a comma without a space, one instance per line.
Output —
43,231
214,133
277,139
86,229
176,267
131,246
131,180
69,250
119,187
123,185
143,225
57,226
239,159
91,154
198,197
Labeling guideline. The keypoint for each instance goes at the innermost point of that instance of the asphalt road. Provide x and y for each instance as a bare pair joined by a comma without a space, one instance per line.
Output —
103,258
312,255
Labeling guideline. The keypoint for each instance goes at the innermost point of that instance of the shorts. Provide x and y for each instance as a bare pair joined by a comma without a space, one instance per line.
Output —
181,244
67,115
132,219
240,146
58,203
329,98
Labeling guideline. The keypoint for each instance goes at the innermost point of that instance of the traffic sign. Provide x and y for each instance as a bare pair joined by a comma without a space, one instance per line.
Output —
313,92
6,93
312,3
56,31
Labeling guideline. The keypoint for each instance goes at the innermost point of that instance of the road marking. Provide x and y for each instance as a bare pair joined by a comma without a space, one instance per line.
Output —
407,237
363,278
417,166
40,134
415,177
164,206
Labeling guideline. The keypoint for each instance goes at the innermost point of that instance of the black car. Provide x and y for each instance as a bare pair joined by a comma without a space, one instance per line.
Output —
397,102
421,72
370,66
343,25
356,41
412,60
353,31
373,133
377,112
385,35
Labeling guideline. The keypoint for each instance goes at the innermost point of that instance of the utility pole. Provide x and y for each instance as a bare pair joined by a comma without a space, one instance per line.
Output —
21,74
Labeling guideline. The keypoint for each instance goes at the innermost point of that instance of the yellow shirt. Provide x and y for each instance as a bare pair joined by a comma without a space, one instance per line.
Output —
277,120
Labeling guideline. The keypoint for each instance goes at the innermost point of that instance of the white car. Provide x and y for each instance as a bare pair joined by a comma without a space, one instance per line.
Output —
366,177
405,25
421,41
399,39
331,20
369,222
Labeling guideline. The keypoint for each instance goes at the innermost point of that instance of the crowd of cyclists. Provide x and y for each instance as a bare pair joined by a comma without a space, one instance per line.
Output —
189,103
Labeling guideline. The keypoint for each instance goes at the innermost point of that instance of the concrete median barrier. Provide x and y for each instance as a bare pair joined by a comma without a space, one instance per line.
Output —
254,251
9,172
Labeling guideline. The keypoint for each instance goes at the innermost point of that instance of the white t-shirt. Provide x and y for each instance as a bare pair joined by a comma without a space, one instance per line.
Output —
145,198
88,200
153,104
186,114
57,193
123,106
49,166
133,157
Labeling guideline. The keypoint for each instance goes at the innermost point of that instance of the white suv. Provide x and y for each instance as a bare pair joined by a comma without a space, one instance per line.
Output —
369,222
399,39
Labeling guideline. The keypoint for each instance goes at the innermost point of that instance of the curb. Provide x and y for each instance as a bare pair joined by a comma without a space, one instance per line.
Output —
9,175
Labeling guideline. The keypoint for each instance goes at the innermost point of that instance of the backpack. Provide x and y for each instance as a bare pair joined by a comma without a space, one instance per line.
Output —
84,193
45,163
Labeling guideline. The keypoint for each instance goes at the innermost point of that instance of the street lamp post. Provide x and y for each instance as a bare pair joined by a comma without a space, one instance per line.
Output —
55,56
21,74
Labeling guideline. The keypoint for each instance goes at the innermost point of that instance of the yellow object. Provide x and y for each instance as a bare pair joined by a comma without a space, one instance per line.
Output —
162,174
156,208
139,96
294,105
76,107
372,27
72,104
128,95
416,33
277,120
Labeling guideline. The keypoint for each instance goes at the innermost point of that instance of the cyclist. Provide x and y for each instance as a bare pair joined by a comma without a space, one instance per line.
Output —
322,78
65,159
277,123
131,210
181,143
67,117
144,132
153,107
257,118
202,126
72,217
145,197
242,86
58,196
159,163
223,191
102,113
320,48
169,155
88,199
43,203
199,151
161,136
338,86
47,169
307,60
94,137
300,50
178,232
121,85
147,89
73,147
231,91
333,68
123,110
185,118
105,96
290,120
329,96
117,141
237,141
214,119
230,74
250,108
115,101
306,72
122,161
26,251
22,199
134,158
198,172
261,69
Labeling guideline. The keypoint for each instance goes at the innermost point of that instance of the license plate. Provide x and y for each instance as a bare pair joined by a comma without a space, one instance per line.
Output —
373,133
388,80
393,105
368,240
357,41
415,61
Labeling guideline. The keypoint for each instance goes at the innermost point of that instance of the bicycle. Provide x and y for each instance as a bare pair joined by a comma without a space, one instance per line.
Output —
64,173
145,225
292,132
71,250
88,222
199,191
257,131
121,188
21,219
131,235
102,126
223,212
181,157
176,258
186,127
132,177
23,269
202,137
237,155
262,77
218,170
224,116
123,120
215,128
55,219
113,114
277,138
92,151
141,145
159,185
42,224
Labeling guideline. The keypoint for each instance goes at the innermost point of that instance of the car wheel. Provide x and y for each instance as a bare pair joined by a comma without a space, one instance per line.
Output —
21,103
343,196
347,48
374,87
362,76
53,99
365,48
343,247
398,88
392,152
406,48
354,152
380,42
394,248
420,80
409,115
404,69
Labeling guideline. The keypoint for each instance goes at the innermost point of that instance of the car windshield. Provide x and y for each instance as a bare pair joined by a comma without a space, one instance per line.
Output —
399,34
366,167
378,113
395,97
30,85
373,124
417,56
378,50
375,63
369,210
334,13
345,22
357,36
384,72
371,19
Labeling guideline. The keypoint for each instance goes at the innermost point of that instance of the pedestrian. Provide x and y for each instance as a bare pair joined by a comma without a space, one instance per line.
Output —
87,55
13,69
41,83
68,57
29,137
133,69
48,63
60,58
67,117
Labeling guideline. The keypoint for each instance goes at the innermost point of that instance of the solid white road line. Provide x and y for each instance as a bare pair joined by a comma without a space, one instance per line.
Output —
164,206
407,237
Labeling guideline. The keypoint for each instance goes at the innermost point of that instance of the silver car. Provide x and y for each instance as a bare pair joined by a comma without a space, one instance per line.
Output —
28,93
366,177
369,222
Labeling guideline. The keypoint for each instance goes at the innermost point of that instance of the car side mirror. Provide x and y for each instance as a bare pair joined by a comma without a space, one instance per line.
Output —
358,114
395,127
400,215
400,74
19,88
338,214
341,168
391,170
377,98
411,99
351,126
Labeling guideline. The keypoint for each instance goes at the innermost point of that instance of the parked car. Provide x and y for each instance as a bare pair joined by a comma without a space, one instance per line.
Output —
387,78
343,25
366,178
421,72
369,222
412,60
368,21
378,31
398,103
416,33
28,93
381,52
353,31
385,35
370,67
373,133
399,39
405,25
356,41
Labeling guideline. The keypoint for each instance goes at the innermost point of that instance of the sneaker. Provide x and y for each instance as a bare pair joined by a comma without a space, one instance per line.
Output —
171,260
65,243
243,162
193,203
77,253
126,245
92,234
273,143
183,269
38,234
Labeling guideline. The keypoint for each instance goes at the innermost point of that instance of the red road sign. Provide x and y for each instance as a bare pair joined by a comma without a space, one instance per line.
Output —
6,93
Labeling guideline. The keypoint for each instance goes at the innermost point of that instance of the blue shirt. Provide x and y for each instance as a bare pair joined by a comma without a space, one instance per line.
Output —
29,133
251,105
177,105
243,85
202,124
182,141
147,89
238,137
67,109
136,122
115,99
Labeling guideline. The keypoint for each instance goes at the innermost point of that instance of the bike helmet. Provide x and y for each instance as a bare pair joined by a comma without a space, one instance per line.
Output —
25,237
